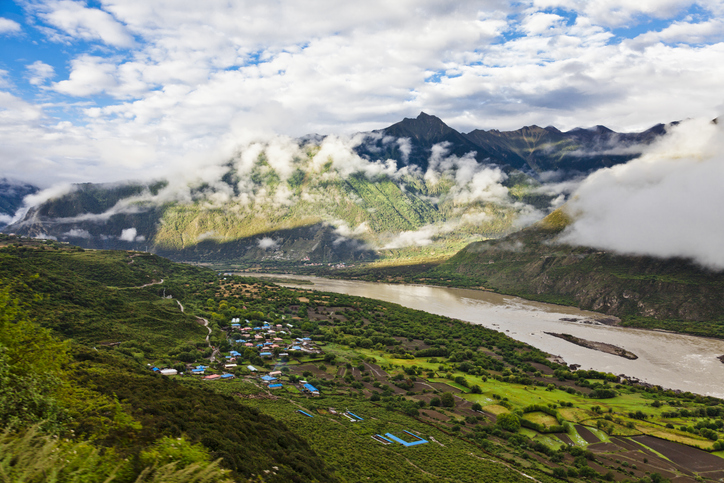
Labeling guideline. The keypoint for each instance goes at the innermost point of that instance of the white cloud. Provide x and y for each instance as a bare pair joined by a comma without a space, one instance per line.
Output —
79,22
9,26
128,234
666,203
188,79
80,233
39,72
267,243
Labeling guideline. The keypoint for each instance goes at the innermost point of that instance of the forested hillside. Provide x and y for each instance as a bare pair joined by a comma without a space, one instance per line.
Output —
468,403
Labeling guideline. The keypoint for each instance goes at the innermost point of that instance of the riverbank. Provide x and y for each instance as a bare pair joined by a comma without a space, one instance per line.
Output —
684,362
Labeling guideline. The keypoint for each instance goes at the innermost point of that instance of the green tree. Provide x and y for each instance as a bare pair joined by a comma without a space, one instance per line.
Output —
31,362
447,400
509,422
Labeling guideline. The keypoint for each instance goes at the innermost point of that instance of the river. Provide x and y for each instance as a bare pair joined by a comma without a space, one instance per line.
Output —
670,360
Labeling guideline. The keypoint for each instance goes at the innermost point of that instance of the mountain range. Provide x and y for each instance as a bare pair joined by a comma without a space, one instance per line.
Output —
416,189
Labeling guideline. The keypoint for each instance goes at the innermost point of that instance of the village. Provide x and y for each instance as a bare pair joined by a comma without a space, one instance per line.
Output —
272,345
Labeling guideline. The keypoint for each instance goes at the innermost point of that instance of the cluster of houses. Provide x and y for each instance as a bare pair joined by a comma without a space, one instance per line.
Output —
199,370
272,382
266,338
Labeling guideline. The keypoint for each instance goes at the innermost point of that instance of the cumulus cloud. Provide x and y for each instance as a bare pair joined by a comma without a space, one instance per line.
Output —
77,21
39,72
473,181
9,26
667,203
153,84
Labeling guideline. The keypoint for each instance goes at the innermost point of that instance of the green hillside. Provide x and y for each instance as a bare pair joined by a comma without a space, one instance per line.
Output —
487,407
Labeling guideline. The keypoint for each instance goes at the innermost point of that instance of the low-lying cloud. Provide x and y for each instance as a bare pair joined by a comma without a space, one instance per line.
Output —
267,243
667,203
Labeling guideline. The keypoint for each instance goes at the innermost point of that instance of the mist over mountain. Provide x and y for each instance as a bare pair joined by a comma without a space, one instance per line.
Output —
416,188
12,194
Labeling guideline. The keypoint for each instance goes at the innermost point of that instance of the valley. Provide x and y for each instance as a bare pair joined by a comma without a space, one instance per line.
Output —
488,406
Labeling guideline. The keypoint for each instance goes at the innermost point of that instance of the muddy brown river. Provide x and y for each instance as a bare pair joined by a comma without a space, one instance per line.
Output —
670,360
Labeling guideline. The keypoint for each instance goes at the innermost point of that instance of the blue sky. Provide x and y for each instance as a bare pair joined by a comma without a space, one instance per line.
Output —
116,89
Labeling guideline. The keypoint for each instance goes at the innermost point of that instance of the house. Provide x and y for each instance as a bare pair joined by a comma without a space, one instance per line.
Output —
229,366
275,386
227,376
169,372
268,378
212,377
265,354
275,373
252,368
311,389
249,344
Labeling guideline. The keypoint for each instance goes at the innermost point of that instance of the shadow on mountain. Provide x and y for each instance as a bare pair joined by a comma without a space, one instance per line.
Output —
317,243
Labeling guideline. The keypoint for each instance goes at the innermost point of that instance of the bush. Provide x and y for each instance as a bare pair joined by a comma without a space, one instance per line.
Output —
509,422
447,400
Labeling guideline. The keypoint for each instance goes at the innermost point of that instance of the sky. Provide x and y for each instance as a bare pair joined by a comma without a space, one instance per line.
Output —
107,90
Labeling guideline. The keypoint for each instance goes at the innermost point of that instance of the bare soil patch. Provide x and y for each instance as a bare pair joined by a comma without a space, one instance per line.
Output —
587,435
564,437
691,458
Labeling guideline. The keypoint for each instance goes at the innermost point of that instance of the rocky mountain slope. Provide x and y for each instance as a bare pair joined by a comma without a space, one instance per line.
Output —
417,189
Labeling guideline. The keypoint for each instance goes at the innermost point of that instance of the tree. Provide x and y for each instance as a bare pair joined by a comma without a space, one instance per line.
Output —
477,407
509,422
447,400
31,362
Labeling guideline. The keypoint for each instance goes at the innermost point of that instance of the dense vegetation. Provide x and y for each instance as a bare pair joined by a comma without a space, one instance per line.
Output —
491,408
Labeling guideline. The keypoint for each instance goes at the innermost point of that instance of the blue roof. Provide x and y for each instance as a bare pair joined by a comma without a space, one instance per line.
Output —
405,443
201,367
268,378
155,369
310,388
296,348
265,353
226,376
274,386
240,341
235,325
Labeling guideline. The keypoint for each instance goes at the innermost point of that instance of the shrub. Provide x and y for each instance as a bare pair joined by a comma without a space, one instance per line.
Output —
509,422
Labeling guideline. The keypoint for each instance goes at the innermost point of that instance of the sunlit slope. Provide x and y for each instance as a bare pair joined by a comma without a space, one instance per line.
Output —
323,216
